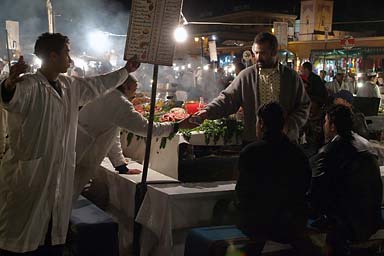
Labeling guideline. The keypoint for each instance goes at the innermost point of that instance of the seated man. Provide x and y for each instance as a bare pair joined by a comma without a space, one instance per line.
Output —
272,185
359,125
346,187
98,132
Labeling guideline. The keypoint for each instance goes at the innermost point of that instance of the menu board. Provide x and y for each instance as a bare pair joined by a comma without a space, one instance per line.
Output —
150,33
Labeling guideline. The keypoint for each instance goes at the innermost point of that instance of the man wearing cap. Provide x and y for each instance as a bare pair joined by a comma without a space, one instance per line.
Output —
345,98
98,132
337,84
370,88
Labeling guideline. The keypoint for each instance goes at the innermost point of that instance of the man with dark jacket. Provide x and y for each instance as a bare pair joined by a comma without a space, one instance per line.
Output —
315,86
346,188
274,177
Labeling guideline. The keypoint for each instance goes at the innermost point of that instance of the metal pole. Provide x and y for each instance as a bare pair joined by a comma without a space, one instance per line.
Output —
141,188
50,16
8,51
150,125
202,51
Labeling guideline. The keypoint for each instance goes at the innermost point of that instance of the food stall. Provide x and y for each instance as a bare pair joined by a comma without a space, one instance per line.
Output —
208,152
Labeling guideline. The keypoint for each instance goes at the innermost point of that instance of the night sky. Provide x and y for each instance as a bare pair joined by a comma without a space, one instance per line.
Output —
76,18
344,10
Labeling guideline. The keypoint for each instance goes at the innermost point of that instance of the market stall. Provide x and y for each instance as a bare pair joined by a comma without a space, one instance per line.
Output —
210,151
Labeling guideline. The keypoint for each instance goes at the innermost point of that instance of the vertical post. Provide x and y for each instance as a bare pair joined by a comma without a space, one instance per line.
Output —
141,188
202,50
50,16
150,125
8,50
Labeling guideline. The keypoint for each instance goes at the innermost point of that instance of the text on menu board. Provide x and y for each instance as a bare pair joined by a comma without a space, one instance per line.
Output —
150,32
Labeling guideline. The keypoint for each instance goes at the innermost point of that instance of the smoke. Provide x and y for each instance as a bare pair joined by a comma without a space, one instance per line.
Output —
195,76
74,18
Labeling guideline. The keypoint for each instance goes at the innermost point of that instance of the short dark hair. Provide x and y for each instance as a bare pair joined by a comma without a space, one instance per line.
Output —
341,117
272,115
129,81
307,65
50,42
265,37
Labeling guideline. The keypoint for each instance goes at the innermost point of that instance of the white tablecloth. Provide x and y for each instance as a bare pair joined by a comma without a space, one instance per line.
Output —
165,160
121,197
170,209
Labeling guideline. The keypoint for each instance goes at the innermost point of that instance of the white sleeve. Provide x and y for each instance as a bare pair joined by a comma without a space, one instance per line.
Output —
115,154
21,99
128,118
92,87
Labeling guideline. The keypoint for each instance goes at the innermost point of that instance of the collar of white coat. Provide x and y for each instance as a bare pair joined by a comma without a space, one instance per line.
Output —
46,82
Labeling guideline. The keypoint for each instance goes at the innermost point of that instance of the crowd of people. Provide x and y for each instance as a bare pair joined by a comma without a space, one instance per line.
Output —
280,180
332,176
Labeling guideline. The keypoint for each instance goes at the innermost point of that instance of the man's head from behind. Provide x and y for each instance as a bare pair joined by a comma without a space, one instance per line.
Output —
338,121
265,47
306,68
343,97
53,50
128,88
270,120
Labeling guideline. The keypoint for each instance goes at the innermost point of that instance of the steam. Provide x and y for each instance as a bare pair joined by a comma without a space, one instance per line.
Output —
78,18
74,18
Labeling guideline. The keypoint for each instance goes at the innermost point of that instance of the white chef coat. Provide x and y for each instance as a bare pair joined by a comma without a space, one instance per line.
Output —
99,124
37,171
369,90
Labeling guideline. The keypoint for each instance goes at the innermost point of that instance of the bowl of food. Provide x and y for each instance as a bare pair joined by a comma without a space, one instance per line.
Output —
191,107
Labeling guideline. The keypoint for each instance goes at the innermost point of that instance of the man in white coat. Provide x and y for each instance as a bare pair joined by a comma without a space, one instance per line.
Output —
99,133
37,171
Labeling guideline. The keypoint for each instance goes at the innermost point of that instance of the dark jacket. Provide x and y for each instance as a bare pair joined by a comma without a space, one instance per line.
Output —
316,89
346,185
274,177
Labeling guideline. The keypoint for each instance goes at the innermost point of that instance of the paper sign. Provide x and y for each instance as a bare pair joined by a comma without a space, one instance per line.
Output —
12,28
212,50
281,33
150,33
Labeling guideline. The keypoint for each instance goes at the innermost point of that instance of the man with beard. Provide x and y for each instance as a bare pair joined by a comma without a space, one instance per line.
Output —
261,83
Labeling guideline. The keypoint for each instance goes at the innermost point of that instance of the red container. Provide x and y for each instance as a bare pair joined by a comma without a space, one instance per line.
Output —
191,106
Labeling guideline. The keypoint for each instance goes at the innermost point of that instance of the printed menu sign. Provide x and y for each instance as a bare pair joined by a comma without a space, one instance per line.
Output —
150,32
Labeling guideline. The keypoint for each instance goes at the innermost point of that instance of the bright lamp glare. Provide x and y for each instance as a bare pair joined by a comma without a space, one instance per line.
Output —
359,85
99,41
180,34
80,63
37,61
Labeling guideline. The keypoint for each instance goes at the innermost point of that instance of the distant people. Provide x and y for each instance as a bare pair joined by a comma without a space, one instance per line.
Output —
316,89
346,187
370,88
345,98
77,72
239,66
337,83
350,83
259,84
323,75
380,79
271,199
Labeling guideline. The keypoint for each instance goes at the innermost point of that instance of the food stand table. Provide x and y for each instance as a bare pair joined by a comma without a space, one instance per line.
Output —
119,196
170,210
166,157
